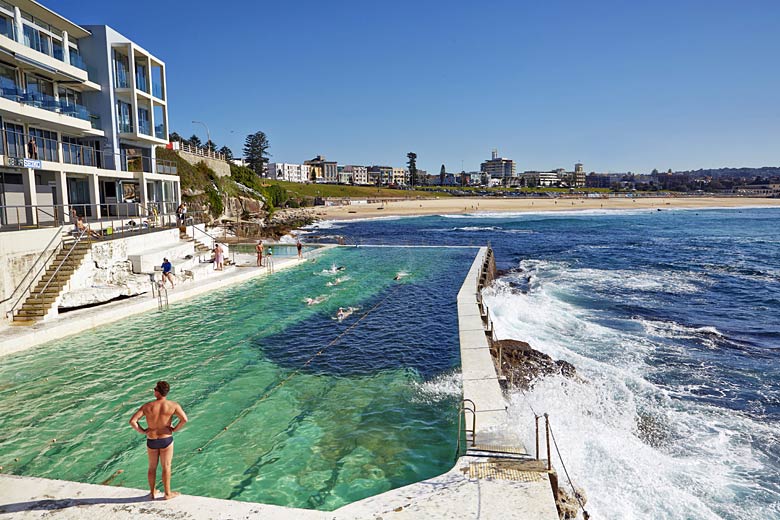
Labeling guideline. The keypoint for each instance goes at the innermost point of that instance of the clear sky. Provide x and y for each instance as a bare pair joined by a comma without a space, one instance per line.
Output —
618,85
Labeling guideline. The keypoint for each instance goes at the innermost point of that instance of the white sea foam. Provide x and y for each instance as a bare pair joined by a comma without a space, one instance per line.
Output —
702,461
443,386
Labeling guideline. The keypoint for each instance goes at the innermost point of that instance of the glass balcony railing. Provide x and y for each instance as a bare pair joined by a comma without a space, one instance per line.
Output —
125,127
144,128
159,132
8,29
77,61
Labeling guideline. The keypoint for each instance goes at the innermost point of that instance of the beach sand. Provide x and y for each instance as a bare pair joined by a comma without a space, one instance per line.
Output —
462,205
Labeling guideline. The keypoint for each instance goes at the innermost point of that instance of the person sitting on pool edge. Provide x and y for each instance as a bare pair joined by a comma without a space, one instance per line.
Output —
167,273
159,435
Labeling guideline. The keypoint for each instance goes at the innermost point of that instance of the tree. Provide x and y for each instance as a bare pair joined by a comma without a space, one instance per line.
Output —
173,136
194,140
256,151
211,145
412,168
227,152
442,175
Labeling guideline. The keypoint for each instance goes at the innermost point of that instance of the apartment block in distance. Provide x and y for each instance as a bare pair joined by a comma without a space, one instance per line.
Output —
81,110
498,167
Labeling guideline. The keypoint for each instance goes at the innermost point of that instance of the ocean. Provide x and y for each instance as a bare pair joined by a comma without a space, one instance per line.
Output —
672,319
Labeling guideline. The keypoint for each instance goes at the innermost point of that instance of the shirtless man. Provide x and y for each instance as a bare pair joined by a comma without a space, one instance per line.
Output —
159,435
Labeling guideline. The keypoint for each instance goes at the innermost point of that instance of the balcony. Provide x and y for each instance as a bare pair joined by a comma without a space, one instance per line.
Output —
125,127
76,60
19,147
144,128
51,104
159,132
167,167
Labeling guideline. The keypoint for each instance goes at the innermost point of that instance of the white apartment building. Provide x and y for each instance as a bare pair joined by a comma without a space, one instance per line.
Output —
81,110
400,176
288,172
358,174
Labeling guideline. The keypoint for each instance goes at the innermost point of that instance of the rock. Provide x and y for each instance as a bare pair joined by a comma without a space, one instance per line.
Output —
523,364
568,507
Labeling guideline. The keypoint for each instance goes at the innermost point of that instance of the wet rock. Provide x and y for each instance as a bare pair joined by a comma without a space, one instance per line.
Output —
567,504
653,430
522,364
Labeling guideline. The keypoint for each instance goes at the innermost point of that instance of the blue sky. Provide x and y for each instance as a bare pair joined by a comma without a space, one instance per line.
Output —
618,85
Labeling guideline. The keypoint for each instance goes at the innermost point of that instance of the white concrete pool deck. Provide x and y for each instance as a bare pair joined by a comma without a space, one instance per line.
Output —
455,494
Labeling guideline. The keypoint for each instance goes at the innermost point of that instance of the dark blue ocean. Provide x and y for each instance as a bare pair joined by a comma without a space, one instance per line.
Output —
672,319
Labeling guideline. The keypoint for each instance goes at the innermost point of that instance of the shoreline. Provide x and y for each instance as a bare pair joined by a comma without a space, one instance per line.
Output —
483,205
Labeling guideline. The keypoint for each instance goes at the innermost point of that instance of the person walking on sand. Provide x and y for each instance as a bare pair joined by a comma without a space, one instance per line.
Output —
259,249
300,249
159,435
218,260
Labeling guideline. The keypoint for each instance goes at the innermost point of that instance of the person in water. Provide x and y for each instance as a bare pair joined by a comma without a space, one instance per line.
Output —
159,435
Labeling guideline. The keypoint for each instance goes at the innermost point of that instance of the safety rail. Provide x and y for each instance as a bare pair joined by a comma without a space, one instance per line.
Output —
27,216
43,264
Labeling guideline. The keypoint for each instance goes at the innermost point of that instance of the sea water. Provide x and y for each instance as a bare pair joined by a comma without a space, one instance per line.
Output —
672,319
287,405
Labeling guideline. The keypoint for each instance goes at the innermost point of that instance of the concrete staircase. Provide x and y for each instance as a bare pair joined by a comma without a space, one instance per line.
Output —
37,305
200,247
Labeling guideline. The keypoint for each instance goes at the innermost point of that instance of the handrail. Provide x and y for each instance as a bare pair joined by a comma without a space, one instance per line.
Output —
214,240
462,409
58,234
62,262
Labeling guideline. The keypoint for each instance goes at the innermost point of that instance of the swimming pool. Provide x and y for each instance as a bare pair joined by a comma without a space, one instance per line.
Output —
374,411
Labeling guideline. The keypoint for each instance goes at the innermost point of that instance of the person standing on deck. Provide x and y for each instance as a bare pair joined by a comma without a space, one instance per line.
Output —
218,259
159,435
300,249
259,250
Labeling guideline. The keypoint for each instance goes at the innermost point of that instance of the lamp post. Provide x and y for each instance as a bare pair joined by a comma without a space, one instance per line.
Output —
208,134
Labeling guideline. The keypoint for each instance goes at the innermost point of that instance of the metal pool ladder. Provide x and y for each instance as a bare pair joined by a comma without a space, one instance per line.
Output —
467,405
161,294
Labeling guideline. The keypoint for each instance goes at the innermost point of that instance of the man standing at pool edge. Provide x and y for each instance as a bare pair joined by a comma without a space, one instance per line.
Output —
159,435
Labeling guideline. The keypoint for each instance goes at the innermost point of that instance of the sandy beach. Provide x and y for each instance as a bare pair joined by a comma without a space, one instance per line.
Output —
462,205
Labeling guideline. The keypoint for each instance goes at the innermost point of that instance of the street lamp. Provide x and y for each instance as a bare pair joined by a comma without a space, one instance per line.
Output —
208,135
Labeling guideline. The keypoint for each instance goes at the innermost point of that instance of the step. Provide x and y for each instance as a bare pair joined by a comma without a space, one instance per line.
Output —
24,320
39,302
30,313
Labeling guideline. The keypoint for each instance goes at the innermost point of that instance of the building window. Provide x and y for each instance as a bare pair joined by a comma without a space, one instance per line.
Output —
14,135
46,144
140,77
36,39
159,123
143,121
124,115
157,82
121,70
7,27
9,88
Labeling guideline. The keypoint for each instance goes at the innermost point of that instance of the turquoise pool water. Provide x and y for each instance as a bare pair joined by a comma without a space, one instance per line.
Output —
376,410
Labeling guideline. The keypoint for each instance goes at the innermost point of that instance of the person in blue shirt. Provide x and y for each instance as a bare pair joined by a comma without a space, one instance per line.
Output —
167,272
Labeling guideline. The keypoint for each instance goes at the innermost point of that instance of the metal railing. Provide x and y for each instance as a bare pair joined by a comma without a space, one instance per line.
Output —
202,151
466,406
160,292
38,267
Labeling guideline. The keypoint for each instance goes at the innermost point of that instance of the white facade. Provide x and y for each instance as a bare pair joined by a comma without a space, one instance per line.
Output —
400,176
67,145
358,174
289,172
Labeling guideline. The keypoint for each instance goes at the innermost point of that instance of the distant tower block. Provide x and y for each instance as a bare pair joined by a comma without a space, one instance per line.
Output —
578,168
495,153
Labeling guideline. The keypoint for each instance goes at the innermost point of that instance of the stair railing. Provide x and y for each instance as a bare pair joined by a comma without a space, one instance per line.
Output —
79,238
48,254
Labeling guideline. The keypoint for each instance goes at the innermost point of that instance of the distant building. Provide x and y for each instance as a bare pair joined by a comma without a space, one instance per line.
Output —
535,179
288,172
498,167
400,176
353,174
597,180
380,175
321,170
579,176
